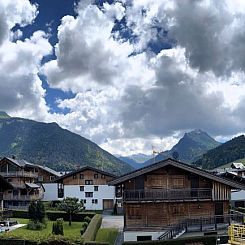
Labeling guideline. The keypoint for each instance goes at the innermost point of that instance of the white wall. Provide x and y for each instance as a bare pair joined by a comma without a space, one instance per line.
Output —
132,235
104,192
51,191
237,195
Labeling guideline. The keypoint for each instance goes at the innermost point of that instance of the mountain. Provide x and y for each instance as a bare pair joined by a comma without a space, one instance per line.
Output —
232,150
50,145
189,148
135,160
4,115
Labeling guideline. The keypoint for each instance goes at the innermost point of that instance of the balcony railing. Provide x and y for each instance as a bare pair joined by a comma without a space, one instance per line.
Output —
19,174
191,224
167,194
11,197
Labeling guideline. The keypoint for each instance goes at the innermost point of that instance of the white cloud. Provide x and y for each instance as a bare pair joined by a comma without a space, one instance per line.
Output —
123,100
128,98
21,92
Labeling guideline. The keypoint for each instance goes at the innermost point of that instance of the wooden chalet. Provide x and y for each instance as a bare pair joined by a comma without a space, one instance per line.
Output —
168,194
23,177
4,186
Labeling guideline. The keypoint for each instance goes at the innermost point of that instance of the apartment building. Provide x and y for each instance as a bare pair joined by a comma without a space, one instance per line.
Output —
88,184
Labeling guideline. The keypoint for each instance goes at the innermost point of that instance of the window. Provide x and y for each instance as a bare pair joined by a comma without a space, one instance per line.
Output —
81,176
102,176
88,194
96,188
74,176
51,178
84,201
40,178
82,188
95,201
88,182
96,176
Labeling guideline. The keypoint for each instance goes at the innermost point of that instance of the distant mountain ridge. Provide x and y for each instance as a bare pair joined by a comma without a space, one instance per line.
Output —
135,160
191,146
229,151
50,145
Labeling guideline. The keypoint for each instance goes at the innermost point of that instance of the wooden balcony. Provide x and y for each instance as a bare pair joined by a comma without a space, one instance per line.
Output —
19,174
167,195
11,197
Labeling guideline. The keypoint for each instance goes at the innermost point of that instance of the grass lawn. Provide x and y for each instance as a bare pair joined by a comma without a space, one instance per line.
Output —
107,235
70,232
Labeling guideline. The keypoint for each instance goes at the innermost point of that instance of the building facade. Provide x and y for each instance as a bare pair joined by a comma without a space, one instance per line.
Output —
87,184
26,179
169,194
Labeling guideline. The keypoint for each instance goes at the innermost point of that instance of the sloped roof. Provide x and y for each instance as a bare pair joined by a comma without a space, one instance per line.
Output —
179,165
20,162
83,169
24,163
32,185
50,170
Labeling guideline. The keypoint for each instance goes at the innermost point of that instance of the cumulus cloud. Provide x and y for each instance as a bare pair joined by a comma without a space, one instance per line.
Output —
124,91
86,53
128,94
21,91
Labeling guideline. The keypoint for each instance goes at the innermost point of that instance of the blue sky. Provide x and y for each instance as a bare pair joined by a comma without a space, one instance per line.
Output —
125,74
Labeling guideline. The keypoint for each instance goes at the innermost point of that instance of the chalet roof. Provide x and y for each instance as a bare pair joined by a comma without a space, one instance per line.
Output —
24,163
179,165
232,176
50,170
19,162
83,169
32,185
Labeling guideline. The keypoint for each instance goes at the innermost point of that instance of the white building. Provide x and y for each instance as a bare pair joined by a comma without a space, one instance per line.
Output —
88,184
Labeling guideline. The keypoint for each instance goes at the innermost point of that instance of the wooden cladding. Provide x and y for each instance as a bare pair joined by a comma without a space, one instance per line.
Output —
220,192
171,177
165,214
83,177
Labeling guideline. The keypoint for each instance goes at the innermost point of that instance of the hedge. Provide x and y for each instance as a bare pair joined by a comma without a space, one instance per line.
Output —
205,240
54,215
96,243
93,227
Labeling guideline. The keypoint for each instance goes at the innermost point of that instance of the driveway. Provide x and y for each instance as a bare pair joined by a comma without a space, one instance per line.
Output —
112,221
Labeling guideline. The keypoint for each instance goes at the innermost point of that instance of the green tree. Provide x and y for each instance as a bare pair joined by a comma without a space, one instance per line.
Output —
40,211
36,212
71,205
32,211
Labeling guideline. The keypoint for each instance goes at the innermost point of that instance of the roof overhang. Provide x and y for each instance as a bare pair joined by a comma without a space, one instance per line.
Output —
179,165
81,170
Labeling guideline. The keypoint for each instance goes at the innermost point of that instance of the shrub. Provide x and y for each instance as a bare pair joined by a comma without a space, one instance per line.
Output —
35,225
58,227
54,215
87,219
84,227
93,227
96,243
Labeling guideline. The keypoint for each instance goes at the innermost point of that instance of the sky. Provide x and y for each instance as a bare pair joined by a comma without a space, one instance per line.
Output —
126,74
